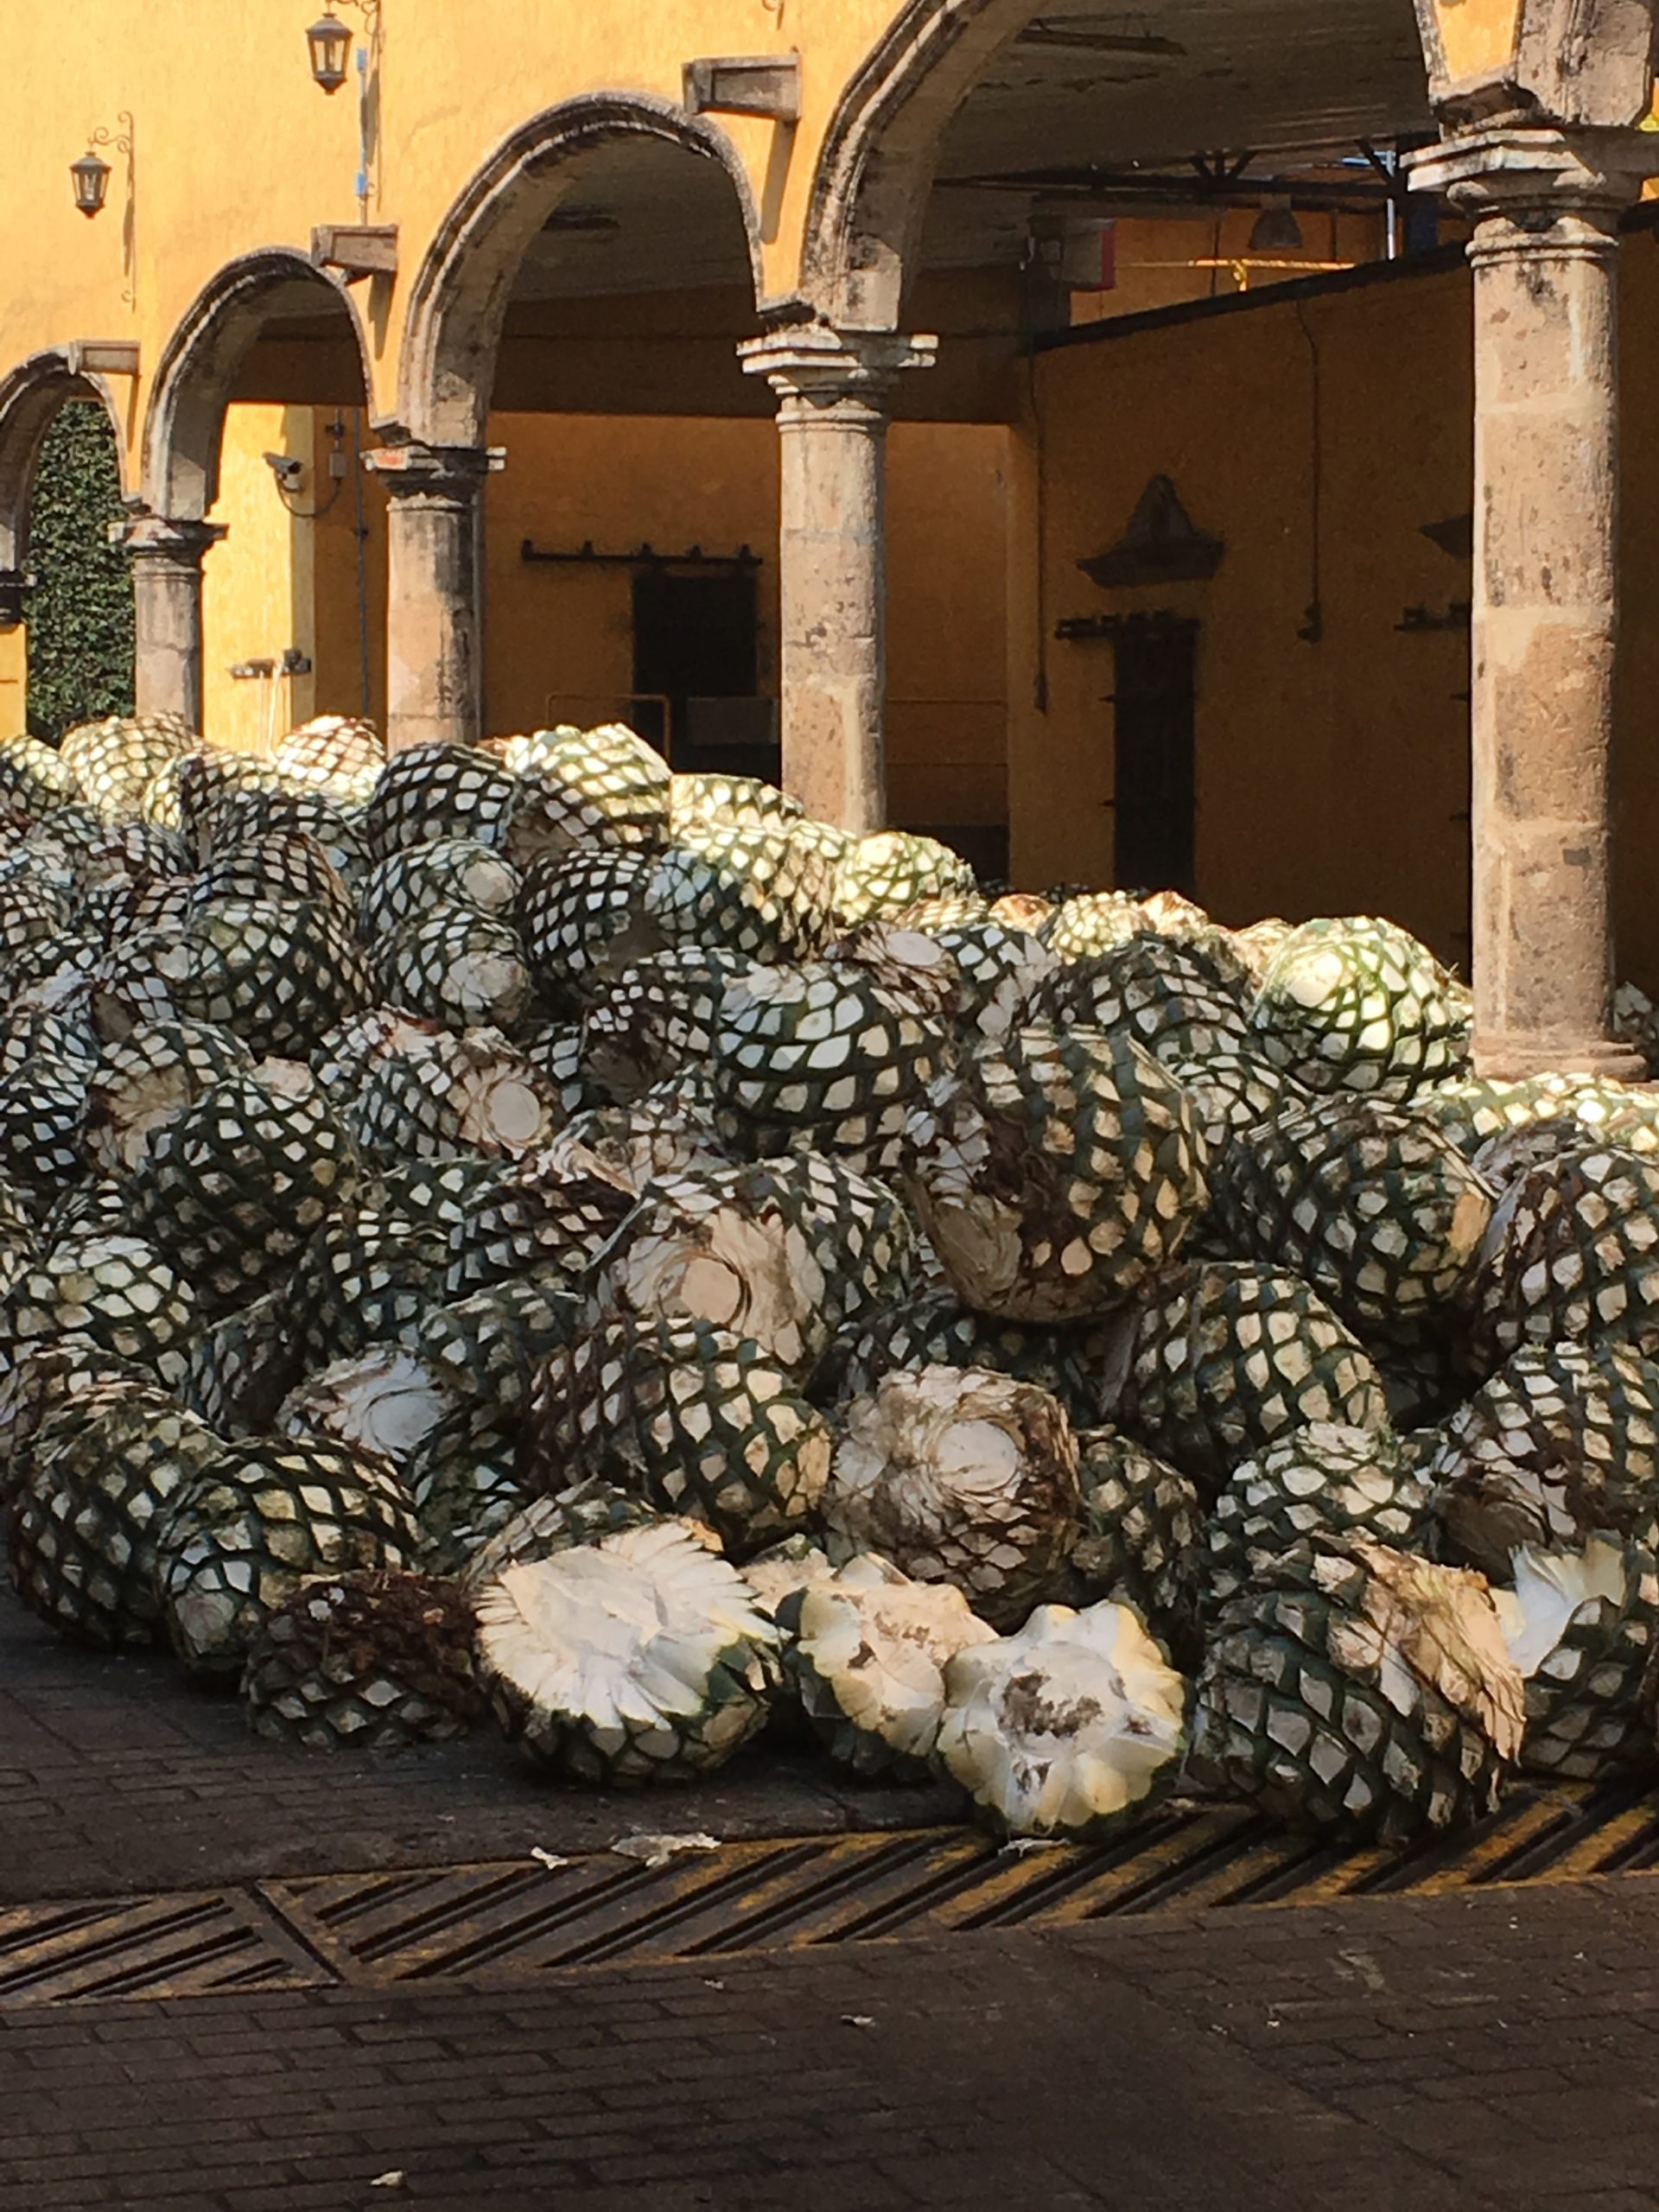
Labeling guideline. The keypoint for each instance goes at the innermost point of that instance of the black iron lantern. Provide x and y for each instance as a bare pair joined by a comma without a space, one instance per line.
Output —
91,178
330,45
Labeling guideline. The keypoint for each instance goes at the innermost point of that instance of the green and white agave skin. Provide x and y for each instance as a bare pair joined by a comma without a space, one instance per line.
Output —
641,1658
1063,1729
868,1652
1581,1628
959,1475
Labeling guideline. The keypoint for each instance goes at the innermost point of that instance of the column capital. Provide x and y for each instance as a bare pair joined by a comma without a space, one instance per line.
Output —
165,538
1531,172
416,469
815,363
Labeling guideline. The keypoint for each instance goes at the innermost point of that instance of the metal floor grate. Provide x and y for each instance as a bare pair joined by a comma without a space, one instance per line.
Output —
514,1920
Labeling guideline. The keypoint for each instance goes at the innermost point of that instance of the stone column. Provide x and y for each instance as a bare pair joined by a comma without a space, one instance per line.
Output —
434,627
833,391
1546,205
167,611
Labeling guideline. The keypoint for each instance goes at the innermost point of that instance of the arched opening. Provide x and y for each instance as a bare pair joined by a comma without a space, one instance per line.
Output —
66,600
256,423
1173,254
581,310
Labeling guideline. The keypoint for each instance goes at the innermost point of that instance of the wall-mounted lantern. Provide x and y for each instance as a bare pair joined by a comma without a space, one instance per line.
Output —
89,175
329,43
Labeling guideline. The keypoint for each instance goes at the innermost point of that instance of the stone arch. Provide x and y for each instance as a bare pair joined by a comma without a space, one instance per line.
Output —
197,372
870,189
458,304
31,396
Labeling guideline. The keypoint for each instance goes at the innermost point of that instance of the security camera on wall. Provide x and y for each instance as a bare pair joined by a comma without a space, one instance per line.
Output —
287,471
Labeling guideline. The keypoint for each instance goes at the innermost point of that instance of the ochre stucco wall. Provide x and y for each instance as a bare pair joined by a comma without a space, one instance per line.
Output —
558,639
1332,775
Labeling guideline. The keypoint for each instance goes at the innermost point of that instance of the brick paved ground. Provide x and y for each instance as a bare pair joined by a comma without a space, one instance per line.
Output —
1459,2054
119,1774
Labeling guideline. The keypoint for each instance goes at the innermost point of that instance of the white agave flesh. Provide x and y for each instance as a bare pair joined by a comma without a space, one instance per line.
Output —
1059,1729
387,1401
620,1634
879,1643
1550,1587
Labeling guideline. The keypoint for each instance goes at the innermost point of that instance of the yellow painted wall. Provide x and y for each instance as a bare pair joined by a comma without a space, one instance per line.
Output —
14,679
235,147
1159,261
1332,776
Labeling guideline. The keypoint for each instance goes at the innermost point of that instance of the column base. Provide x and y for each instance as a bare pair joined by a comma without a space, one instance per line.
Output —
1508,1059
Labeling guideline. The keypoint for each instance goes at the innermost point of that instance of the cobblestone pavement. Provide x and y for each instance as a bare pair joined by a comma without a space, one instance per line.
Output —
119,1774
1446,2055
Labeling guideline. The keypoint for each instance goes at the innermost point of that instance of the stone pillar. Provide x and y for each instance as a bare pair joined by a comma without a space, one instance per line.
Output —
833,389
434,627
167,611
1546,205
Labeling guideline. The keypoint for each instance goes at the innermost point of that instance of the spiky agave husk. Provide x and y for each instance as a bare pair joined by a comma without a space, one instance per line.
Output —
56,1033
828,1057
237,1182
1474,1111
245,813
764,893
81,1544
280,865
866,1650
145,1080
584,788
452,872
535,1217
1570,1251
455,965
582,918
281,973
429,791
341,754
1092,922
255,1521
452,1094
385,1402
373,1658
640,1658
668,1131
1139,1539
242,1367
1173,999
43,1109
657,1017
463,1476
1323,1480
365,1276
1375,1208
1055,1172
704,796
34,777
998,969
32,916
883,873
959,1475
1360,1690
784,1253
1067,1729
581,1513
113,759
118,1291
495,1338
1075,1364
1562,1442
1228,1357
1356,1003
342,1060
1582,1629
699,1421
47,1380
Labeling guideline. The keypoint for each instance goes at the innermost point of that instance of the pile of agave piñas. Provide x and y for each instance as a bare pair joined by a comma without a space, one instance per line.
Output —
516,1234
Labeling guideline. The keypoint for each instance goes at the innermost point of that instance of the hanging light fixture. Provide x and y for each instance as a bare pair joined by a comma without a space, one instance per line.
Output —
329,42
1276,230
91,178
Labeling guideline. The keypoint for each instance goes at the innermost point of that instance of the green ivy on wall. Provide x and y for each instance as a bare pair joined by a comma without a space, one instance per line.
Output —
79,614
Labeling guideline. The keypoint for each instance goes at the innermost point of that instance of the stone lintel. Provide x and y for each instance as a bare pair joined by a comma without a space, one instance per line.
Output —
814,362
417,467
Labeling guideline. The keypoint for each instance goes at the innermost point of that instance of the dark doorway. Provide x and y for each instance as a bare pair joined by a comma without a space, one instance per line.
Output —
695,647
1154,798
